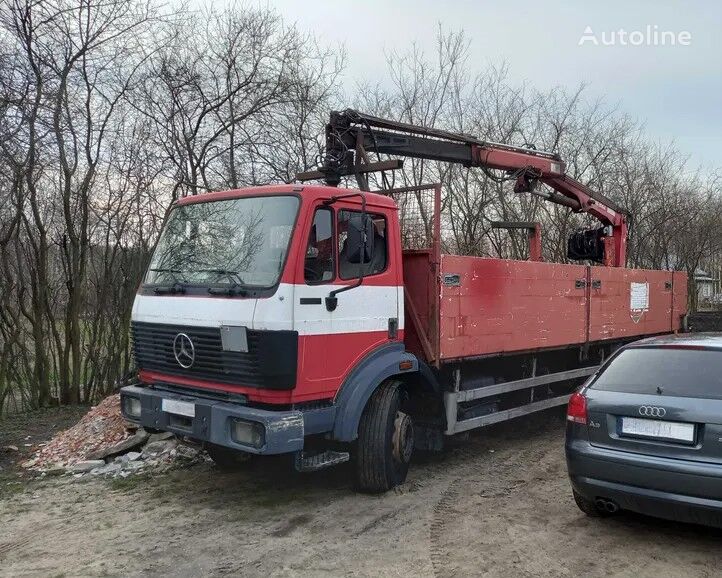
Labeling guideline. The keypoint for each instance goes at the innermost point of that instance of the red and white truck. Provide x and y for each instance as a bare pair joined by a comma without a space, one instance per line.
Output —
330,324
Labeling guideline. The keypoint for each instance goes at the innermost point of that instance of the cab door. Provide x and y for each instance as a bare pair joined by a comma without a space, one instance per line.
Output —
365,317
311,319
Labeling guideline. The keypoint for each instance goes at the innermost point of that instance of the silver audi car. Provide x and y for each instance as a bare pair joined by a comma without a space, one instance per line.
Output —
645,432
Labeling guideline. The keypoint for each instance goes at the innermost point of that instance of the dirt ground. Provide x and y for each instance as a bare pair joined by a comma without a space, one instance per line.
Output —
24,430
497,504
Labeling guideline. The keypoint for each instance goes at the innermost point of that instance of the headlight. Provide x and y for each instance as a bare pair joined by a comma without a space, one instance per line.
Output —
131,406
248,433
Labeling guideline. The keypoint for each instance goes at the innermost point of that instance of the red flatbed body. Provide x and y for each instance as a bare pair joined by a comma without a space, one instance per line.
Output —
479,307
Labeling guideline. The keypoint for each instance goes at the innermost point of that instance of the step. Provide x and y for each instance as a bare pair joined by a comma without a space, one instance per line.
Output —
318,461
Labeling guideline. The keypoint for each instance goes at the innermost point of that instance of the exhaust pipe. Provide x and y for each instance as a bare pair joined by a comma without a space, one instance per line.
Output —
612,507
604,505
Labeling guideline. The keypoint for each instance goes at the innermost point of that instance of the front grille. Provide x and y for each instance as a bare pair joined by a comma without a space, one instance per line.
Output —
270,361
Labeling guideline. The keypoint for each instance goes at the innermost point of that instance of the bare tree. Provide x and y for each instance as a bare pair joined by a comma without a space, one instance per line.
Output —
110,109
603,148
236,105
73,64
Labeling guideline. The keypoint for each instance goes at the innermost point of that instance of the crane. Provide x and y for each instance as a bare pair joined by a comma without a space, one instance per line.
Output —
351,135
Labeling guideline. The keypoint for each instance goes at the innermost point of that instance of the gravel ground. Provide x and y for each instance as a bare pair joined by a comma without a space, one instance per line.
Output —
497,504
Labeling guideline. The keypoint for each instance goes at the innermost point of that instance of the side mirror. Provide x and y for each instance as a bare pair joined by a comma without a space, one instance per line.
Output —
360,241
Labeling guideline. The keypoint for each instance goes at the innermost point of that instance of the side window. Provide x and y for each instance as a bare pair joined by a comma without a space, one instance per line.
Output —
349,266
319,264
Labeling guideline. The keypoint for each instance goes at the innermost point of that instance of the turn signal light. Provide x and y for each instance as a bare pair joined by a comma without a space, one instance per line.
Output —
577,409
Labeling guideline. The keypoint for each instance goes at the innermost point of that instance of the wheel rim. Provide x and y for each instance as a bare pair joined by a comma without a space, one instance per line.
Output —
403,438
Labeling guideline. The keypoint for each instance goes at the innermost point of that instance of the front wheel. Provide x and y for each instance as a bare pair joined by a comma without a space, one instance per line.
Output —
385,441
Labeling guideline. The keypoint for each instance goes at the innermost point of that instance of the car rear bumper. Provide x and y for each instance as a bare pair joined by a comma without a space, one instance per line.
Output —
672,489
213,420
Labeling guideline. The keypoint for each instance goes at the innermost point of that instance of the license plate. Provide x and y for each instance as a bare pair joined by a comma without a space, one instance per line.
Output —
652,428
185,408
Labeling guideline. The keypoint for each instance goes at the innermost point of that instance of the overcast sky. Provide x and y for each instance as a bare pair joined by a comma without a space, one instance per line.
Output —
676,90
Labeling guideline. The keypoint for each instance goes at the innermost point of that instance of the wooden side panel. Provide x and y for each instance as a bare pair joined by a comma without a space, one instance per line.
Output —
420,305
495,306
679,300
502,305
629,303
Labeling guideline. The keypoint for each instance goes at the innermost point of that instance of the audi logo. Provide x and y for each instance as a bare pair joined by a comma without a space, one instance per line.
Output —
652,411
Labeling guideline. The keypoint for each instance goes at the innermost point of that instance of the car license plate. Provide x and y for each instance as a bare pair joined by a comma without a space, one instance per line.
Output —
185,408
652,428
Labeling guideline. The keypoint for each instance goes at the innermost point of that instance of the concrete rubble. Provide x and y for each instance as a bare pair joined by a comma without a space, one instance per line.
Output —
102,443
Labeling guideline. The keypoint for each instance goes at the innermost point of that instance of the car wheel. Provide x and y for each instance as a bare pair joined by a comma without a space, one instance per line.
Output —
588,506
228,459
385,441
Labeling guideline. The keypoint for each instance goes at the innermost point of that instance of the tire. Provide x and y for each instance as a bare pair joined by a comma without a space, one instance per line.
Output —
385,441
228,459
588,506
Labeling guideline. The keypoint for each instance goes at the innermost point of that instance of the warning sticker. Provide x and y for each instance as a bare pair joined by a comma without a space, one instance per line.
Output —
639,297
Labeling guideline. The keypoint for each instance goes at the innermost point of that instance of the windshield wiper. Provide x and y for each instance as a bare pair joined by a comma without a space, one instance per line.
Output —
175,288
235,289
170,289
174,274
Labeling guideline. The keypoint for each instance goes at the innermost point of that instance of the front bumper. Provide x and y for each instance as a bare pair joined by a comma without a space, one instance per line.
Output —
672,489
213,420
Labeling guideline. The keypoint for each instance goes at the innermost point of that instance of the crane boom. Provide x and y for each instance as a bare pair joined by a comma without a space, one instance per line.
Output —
351,134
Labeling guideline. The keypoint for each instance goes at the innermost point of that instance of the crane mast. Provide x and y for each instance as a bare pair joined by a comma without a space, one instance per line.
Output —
351,135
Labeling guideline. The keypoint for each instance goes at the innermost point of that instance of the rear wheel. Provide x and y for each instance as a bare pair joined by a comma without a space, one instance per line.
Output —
228,459
385,441
588,506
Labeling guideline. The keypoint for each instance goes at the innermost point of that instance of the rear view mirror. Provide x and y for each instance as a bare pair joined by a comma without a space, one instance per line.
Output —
360,238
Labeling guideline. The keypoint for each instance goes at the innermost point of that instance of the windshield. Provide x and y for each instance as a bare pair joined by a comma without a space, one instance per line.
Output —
233,242
675,371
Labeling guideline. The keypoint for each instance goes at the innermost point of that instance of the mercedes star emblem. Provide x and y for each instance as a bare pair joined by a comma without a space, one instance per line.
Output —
184,351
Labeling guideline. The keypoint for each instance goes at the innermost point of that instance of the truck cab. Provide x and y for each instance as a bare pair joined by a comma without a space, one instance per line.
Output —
266,321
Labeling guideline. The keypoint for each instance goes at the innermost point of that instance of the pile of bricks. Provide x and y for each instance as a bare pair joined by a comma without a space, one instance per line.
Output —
102,443
102,427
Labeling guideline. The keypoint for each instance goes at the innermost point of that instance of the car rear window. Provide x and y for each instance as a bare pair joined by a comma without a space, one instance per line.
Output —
679,372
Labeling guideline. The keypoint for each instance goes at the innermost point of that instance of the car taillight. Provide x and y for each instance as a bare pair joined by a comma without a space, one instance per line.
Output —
577,409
